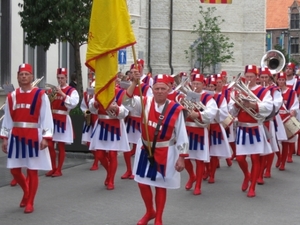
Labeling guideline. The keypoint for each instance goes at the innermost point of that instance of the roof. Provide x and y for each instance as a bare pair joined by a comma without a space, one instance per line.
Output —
278,13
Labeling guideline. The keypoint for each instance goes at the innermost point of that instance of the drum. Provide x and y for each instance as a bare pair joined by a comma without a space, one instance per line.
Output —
291,126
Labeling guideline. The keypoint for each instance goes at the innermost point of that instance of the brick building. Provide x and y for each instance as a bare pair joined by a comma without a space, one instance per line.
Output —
283,26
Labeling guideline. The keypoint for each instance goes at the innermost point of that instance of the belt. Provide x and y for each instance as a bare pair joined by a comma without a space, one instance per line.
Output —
162,144
193,124
26,125
106,117
133,116
61,112
283,111
248,124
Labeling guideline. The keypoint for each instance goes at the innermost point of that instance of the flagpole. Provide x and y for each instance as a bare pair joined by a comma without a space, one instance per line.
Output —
143,107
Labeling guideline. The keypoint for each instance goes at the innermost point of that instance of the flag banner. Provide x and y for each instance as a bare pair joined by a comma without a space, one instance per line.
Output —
110,30
269,41
216,1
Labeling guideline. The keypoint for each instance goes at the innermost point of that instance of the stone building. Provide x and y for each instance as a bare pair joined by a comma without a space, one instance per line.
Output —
163,32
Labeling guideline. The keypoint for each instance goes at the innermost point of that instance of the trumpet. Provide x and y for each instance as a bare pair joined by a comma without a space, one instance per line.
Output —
189,105
243,93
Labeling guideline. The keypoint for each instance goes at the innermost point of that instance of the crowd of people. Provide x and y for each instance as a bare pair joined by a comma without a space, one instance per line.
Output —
167,122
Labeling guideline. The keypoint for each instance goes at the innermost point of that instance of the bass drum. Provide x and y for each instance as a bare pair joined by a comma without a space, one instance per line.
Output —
292,126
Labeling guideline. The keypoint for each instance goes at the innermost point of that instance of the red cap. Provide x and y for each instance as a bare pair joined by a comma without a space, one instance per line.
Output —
140,61
265,70
195,71
139,67
212,80
219,77
291,65
251,69
62,71
25,67
198,77
182,74
223,73
161,78
281,75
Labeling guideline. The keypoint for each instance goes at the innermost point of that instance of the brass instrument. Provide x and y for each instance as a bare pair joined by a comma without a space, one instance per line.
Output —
243,93
37,81
274,60
188,104
88,116
51,95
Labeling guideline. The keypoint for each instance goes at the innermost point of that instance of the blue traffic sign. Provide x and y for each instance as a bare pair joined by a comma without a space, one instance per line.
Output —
122,56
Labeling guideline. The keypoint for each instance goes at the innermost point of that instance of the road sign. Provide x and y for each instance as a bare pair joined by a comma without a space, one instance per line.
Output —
122,56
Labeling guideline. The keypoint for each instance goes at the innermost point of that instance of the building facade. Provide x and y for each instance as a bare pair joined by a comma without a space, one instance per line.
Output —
162,30
283,27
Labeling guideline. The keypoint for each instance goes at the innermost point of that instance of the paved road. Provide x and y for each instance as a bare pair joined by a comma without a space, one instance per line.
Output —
79,198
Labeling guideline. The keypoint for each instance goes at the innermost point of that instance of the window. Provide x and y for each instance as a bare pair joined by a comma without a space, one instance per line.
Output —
294,45
295,21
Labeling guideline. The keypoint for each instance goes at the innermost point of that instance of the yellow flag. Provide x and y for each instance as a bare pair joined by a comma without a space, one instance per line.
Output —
110,30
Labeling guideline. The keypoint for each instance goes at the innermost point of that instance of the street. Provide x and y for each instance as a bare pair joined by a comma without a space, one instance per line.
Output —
79,197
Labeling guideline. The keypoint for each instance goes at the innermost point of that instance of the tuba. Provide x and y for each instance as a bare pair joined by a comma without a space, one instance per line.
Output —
274,60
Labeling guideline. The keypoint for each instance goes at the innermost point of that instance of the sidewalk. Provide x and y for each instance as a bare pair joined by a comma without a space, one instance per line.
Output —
72,159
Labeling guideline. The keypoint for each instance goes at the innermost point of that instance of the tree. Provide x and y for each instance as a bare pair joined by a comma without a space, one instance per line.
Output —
47,22
211,47
286,56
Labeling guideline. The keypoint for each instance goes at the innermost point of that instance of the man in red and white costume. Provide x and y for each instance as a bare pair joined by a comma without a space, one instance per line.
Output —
66,98
88,128
293,82
198,134
251,138
26,129
231,134
133,124
290,107
270,124
219,145
168,155
109,135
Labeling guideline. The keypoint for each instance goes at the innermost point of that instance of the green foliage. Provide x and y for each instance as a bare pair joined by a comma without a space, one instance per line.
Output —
48,21
76,111
211,47
287,59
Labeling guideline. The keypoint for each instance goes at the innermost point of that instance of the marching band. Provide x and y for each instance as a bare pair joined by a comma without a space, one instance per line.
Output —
256,115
